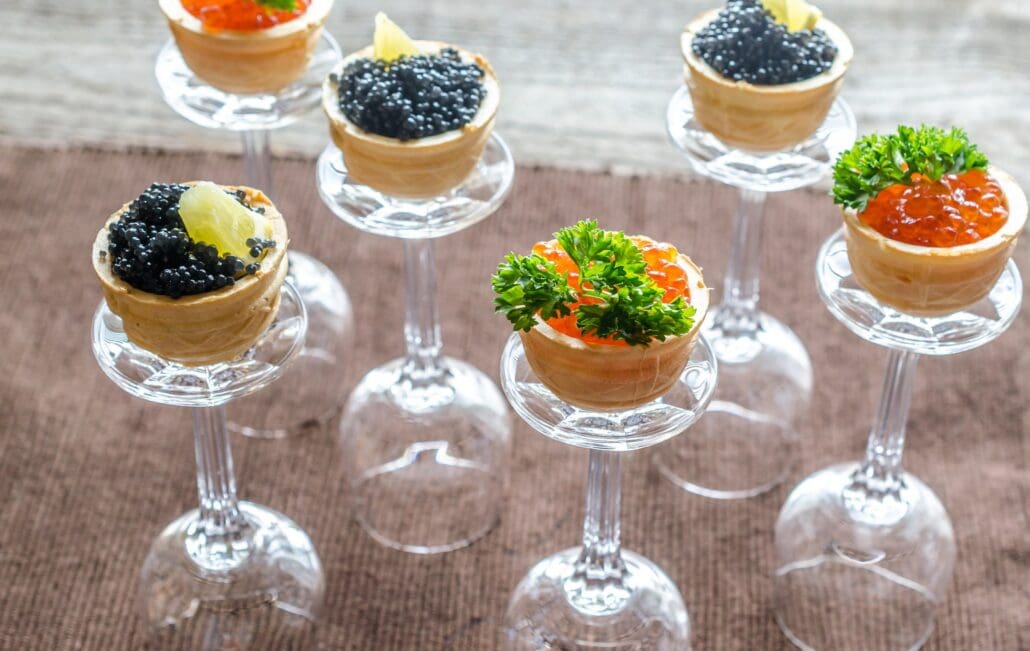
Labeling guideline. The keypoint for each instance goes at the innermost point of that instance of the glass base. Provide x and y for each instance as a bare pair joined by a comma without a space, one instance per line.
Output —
856,574
801,166
427,454
478,197
615,431
550,609
204,105
311,391
265,595
746,443
883,325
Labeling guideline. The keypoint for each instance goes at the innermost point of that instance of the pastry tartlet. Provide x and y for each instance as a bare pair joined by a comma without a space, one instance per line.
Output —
393,156
753,109
589,351
261,51
923,245
185,300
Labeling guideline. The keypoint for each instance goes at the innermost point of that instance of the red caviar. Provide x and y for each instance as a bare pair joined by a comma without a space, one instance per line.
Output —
662,266
240,15
958,209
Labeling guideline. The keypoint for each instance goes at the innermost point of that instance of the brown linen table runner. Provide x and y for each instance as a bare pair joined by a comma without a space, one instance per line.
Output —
89,476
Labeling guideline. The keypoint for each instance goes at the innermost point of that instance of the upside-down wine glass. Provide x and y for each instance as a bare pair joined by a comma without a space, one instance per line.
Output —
600,596
230,574
865,551
425,437
745,445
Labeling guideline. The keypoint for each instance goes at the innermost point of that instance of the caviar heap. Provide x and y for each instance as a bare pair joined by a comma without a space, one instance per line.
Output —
244,15
954,210
151,250
745,43
412,97
925,186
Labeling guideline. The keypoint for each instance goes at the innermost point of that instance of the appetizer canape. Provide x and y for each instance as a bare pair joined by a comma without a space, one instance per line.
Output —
411,117
929,224
193,270
608,321
247,46
762,74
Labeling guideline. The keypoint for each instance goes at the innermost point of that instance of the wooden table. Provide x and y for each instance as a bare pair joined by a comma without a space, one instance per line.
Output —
585,83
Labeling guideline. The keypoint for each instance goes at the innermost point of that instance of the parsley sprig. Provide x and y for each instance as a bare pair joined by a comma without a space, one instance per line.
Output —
278,5
877,162
616,299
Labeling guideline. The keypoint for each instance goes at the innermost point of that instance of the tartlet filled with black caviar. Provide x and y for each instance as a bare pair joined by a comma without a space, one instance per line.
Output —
411,117
608,321
193,270
763,74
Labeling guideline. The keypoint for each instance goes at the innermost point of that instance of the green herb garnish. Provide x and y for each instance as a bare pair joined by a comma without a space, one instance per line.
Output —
278,5
617,298
877,162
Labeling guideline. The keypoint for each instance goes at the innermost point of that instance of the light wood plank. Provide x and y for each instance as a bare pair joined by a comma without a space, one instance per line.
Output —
585,83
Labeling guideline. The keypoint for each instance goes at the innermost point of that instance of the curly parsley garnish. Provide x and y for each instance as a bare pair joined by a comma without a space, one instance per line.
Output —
278,5
617,298
877,162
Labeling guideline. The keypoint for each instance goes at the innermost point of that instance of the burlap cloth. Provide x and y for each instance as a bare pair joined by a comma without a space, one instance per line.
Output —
89,476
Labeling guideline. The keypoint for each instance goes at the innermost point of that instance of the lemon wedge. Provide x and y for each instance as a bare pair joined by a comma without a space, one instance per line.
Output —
214,217
390,42
796,15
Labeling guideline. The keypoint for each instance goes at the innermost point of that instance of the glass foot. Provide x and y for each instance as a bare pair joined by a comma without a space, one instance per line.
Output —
794,168
478,197
427,452
745,444
204,105
263,592
312,390
856,575
880,324
554,608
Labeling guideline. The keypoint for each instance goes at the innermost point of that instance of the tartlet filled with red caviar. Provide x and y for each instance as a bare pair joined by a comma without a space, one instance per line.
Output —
247,46
194,269
411,117
608,321
929,223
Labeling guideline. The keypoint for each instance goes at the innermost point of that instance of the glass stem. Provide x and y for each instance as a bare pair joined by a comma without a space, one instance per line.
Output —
738,313
218,539
875,491
421,327
598,583
257,160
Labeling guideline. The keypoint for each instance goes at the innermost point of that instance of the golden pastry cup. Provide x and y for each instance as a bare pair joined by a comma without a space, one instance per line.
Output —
755,117
608,378
934,281
248,62
422,168
201,329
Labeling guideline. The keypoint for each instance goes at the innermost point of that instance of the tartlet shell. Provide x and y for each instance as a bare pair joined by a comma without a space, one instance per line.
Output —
934,281
606,378
248,62
202,329
761,118
422,168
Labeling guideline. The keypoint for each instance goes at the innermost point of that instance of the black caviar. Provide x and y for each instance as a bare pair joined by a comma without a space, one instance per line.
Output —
412,97
150,249
745,43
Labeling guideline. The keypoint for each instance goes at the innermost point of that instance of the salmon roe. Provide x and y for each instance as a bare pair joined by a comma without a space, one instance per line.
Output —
662,266
958,209
240,15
